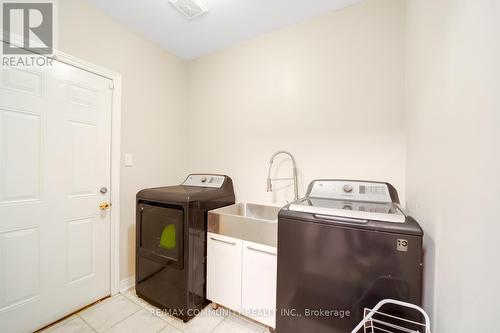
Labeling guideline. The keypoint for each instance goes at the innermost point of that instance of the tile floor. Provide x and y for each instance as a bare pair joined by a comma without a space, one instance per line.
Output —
126,313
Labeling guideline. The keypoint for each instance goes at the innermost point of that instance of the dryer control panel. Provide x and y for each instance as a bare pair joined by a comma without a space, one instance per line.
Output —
351,190
205,180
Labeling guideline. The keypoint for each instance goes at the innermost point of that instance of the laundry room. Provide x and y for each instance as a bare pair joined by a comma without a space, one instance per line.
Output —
290,166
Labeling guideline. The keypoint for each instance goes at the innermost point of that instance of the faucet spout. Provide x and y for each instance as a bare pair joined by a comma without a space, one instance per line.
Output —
294,172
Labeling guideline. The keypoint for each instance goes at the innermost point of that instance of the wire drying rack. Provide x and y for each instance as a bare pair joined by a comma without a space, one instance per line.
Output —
376,321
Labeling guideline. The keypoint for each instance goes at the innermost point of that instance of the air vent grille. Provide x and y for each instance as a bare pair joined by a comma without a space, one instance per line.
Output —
189,8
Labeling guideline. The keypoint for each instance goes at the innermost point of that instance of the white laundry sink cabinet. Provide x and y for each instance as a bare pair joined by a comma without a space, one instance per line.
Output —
241,274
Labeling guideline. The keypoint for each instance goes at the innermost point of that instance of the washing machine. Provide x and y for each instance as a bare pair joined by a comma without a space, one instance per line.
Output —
341,249
171,236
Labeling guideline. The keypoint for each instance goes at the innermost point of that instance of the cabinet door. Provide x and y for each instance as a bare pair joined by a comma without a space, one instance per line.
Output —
224,271
259,283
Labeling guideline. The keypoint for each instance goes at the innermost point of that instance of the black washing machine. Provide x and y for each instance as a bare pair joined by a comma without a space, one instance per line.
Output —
344,247
171,234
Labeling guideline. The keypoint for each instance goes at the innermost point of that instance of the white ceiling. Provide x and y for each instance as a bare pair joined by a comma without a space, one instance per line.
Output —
226,23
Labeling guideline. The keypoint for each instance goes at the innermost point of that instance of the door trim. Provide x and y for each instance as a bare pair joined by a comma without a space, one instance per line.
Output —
116,110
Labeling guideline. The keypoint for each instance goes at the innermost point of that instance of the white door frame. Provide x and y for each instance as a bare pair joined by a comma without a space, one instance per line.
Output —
116,81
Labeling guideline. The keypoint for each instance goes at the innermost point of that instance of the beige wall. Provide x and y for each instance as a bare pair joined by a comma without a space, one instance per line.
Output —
154,96
330,90
453,180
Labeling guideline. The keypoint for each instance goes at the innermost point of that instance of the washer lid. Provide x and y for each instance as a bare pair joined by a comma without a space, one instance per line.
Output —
358,211
352,190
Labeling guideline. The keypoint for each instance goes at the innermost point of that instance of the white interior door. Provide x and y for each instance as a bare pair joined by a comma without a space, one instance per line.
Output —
55,137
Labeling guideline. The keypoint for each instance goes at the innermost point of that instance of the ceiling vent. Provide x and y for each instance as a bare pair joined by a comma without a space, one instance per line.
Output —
189,8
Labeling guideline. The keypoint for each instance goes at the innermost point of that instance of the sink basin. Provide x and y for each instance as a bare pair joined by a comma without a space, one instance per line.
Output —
250,210
251,222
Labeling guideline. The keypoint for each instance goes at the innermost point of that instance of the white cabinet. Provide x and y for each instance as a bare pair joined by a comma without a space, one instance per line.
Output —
224,270
258,293
241,276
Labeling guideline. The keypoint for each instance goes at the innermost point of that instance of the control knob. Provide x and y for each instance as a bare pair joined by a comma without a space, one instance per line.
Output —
348,188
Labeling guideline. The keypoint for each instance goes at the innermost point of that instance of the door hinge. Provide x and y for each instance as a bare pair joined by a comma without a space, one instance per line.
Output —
111,85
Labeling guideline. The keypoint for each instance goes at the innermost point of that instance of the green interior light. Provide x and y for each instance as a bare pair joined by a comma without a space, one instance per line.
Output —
167,240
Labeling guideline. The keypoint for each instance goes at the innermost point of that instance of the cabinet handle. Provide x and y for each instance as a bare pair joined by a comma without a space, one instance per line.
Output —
259,250
222,241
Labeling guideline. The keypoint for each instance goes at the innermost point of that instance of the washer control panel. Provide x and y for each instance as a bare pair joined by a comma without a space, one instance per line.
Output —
214,181
350,190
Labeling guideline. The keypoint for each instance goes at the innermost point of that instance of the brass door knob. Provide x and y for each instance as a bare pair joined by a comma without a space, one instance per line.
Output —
104,205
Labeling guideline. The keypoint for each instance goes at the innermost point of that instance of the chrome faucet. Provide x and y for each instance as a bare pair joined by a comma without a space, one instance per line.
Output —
294,178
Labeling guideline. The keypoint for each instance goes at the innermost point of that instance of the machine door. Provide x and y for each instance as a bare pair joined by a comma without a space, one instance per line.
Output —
162,234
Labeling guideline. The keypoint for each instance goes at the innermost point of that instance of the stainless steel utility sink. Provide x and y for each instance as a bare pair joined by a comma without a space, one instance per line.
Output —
251,222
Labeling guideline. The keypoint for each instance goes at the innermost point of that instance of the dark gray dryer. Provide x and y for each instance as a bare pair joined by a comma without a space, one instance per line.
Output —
171,233
343,248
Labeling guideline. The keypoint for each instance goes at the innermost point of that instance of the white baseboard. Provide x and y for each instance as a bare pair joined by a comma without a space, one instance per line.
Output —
127,283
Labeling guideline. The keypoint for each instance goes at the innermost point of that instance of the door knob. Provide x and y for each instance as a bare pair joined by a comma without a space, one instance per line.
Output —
103,190
104,205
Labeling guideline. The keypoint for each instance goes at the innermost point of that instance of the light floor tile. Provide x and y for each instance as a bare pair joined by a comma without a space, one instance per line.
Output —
104,315
73,325
140,322
129,314
59,323
159,313
204,322
237,324
170,329
131,295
